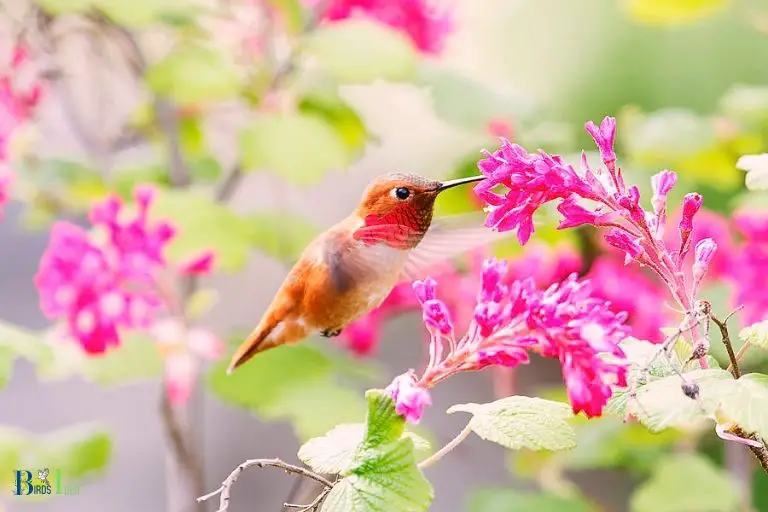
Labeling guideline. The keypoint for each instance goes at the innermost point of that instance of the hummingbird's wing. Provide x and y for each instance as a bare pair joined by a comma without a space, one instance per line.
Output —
447,238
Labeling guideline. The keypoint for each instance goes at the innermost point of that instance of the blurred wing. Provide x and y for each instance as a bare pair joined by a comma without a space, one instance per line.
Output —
447,238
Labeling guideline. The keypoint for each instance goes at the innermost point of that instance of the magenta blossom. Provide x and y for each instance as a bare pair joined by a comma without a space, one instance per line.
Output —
107,280
750,268
593,196
564,321
410,399
421,22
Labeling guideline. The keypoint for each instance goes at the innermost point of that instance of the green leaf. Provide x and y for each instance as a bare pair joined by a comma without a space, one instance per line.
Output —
360,51
756,334
201,302
673,12
747,404
16,342
300,148
382,474
281,234
296,383
510,500
336,450
686,483
136,359
202,224
662,404
522,422
193,73
79,452
465,102
328,106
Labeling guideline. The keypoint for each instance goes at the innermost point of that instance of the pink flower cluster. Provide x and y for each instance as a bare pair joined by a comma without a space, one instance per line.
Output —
563,321
16,107
750,268
108,280
421,22
601,198
544,264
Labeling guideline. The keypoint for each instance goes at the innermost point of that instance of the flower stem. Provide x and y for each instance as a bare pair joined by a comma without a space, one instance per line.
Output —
453,443
740,354
723,326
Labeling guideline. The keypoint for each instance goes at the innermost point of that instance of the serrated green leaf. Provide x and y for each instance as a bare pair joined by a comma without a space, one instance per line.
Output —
706,487
756,334
298,147
202,224
382,475
673,12
522,422
360,51
193,73
465,102
747,403
79,451
282,235
510,500
336,450
662,404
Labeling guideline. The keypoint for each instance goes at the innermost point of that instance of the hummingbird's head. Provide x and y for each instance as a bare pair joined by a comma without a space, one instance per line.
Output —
404,200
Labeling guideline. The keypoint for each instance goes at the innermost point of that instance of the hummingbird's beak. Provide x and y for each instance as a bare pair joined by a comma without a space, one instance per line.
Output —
461,181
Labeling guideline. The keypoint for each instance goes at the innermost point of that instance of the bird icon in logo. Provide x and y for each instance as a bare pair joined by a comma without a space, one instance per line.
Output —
42,474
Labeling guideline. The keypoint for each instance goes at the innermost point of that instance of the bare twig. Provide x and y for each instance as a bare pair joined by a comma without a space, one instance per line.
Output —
740,353
312,506
226,485
723,326
179,445
442,452
761,454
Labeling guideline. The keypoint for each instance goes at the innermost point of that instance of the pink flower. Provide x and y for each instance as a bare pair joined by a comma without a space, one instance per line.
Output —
426,27
662,184
705,251
410,399
183,353
708,225
630,289
625,242
101,288
604,137
198,264
564,321
691,204
750,265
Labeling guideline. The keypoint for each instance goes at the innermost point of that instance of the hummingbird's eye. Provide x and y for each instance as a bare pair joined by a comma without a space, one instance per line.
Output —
402,193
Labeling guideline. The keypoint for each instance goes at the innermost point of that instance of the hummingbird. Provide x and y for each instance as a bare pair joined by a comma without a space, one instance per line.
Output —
350,269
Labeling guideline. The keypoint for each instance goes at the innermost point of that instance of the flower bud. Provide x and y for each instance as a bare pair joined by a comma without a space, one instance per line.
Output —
627,243
425,290
705,251
604,137
691,205
410,399
437,318
662,183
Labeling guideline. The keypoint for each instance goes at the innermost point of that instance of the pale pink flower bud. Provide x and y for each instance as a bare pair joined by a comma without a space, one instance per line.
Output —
410,399
705,251
662,183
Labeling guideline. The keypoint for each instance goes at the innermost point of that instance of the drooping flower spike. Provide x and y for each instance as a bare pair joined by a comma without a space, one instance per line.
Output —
564,321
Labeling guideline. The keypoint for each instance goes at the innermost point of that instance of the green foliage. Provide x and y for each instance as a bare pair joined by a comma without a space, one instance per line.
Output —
79,452
192,73
296,383
746,403
201,302
673,12
138,13
756,334
686,483
281,234
522,422
378,474
510,500
465,102
203,224
325,103
18,342
360,51
300,148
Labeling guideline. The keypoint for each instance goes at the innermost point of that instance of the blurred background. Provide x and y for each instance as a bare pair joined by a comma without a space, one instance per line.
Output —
285,120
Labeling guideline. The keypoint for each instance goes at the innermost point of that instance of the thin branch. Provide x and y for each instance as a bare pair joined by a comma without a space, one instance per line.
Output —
176,436
312,506
442,452
740,353
760,453
226,485
723,326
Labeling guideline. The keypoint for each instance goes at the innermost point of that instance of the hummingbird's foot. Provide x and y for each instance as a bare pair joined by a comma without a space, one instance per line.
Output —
331,333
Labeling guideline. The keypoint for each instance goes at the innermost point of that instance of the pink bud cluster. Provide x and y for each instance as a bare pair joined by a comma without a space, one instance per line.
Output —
422,22
599,197
103,281
563,321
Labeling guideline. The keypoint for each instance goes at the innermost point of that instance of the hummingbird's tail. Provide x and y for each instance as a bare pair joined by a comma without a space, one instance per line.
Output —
274,330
